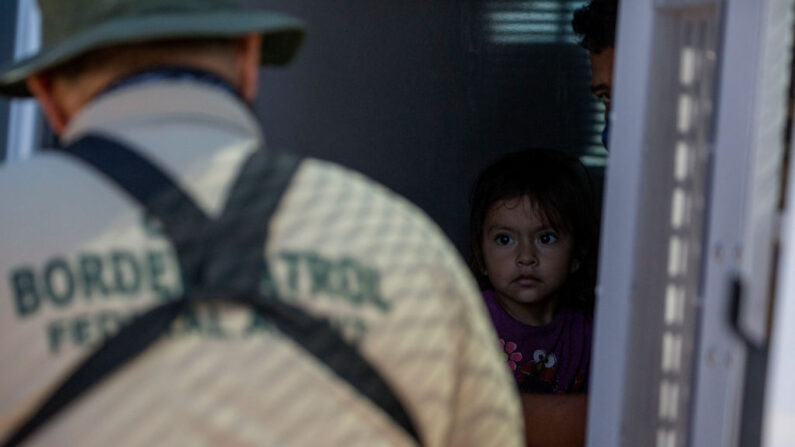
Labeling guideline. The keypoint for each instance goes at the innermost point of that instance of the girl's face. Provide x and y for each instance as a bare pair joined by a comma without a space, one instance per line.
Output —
526,260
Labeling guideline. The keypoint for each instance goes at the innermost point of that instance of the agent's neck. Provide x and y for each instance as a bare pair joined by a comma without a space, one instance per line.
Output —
171,73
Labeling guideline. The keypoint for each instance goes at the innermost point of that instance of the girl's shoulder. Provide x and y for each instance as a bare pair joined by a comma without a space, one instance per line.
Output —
575,317
574,311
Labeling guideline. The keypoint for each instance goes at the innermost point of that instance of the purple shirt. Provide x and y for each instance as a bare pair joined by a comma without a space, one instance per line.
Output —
554,358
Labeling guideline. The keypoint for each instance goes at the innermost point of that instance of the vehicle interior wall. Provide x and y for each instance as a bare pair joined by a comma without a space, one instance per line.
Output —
422,95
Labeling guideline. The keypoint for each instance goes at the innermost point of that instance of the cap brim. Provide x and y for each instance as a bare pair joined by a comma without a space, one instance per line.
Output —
282,35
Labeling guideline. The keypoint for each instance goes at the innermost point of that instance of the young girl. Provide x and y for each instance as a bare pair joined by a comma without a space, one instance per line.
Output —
533,237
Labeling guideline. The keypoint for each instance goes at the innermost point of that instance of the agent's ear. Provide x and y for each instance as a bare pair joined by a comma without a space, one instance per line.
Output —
249,52
41,85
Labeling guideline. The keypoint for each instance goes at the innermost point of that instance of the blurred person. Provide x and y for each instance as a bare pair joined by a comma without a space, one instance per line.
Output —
533,239
167,279
595,23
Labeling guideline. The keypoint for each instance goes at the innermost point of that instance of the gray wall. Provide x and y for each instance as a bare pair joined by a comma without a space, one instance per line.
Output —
415,94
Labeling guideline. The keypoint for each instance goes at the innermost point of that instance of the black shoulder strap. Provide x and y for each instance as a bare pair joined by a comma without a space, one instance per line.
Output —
221,260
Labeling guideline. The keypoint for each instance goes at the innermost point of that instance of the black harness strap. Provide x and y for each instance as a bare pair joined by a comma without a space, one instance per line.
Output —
221,260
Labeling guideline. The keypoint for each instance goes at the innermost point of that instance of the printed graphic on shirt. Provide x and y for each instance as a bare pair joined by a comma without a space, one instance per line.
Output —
539,374
512,356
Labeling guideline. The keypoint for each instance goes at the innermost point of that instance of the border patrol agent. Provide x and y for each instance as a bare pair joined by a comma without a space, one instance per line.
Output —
166,279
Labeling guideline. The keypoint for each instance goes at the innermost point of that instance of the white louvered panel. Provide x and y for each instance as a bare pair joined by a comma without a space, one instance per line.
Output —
764,160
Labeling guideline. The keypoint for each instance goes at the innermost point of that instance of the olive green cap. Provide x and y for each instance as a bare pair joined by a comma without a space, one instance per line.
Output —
71,28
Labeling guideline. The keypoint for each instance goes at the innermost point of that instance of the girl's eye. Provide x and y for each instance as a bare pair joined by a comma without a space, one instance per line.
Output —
547,238
503,239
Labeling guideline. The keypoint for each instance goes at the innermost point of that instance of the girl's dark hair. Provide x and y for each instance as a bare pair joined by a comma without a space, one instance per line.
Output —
560,188
595,23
